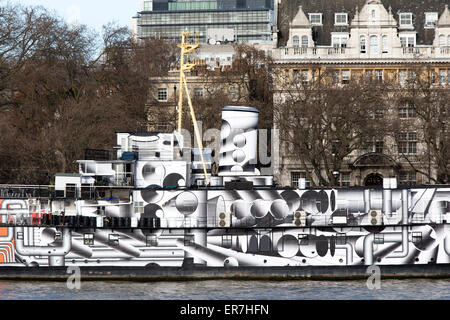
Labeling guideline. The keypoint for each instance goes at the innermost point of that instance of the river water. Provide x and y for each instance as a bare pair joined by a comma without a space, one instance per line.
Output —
420,289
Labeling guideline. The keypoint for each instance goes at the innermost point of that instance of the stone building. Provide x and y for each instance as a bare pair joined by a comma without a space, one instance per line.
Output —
376,38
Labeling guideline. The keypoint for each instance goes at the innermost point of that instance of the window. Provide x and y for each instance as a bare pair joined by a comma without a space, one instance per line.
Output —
442,76
295,41
234,92
412,75
148,5
374,146
401,77
339,41
384,44
373,14
88,239
345,76
373,44
407,143
406,19
304,42
162,94
379,146
369,75
408,178
313,75
345,179
362,44
340,18
295,176
379,75
441,40
305,76
296,76
430,19
433,76
406,110
315,18
336,76
407,41
198,92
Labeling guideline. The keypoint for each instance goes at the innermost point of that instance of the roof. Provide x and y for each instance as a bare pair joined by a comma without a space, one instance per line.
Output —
322,34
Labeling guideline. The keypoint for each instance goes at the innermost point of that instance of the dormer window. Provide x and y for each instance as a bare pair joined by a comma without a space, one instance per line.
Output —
431,19
406,20
340,19
315,18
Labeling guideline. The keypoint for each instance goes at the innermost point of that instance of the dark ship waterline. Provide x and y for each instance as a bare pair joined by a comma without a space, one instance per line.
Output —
155,216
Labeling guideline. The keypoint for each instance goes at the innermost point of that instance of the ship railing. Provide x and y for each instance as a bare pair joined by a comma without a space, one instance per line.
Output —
25,191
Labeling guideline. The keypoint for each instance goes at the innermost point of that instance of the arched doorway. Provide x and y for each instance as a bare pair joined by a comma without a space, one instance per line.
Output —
373,179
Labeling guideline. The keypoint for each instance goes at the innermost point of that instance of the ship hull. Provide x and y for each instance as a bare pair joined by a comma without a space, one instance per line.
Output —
198,273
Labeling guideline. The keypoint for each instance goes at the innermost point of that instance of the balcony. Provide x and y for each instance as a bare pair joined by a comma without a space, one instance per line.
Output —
312,52
354,53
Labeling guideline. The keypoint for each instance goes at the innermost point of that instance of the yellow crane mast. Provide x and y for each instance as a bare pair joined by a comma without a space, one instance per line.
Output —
187,63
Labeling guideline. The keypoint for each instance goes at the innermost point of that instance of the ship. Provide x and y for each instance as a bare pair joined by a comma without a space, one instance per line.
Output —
157,209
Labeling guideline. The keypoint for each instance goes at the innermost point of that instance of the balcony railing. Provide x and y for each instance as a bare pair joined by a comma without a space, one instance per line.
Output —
349,52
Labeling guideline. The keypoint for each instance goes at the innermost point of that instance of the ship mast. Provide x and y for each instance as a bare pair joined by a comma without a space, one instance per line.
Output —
188,47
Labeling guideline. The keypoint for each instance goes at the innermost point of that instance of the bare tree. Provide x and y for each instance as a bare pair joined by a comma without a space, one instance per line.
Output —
423,102
58,96
322,122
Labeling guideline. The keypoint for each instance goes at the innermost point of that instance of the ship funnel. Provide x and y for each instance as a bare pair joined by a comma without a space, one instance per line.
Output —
238,141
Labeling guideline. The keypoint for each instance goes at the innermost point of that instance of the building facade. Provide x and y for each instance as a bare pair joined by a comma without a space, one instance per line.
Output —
376,38
215,21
